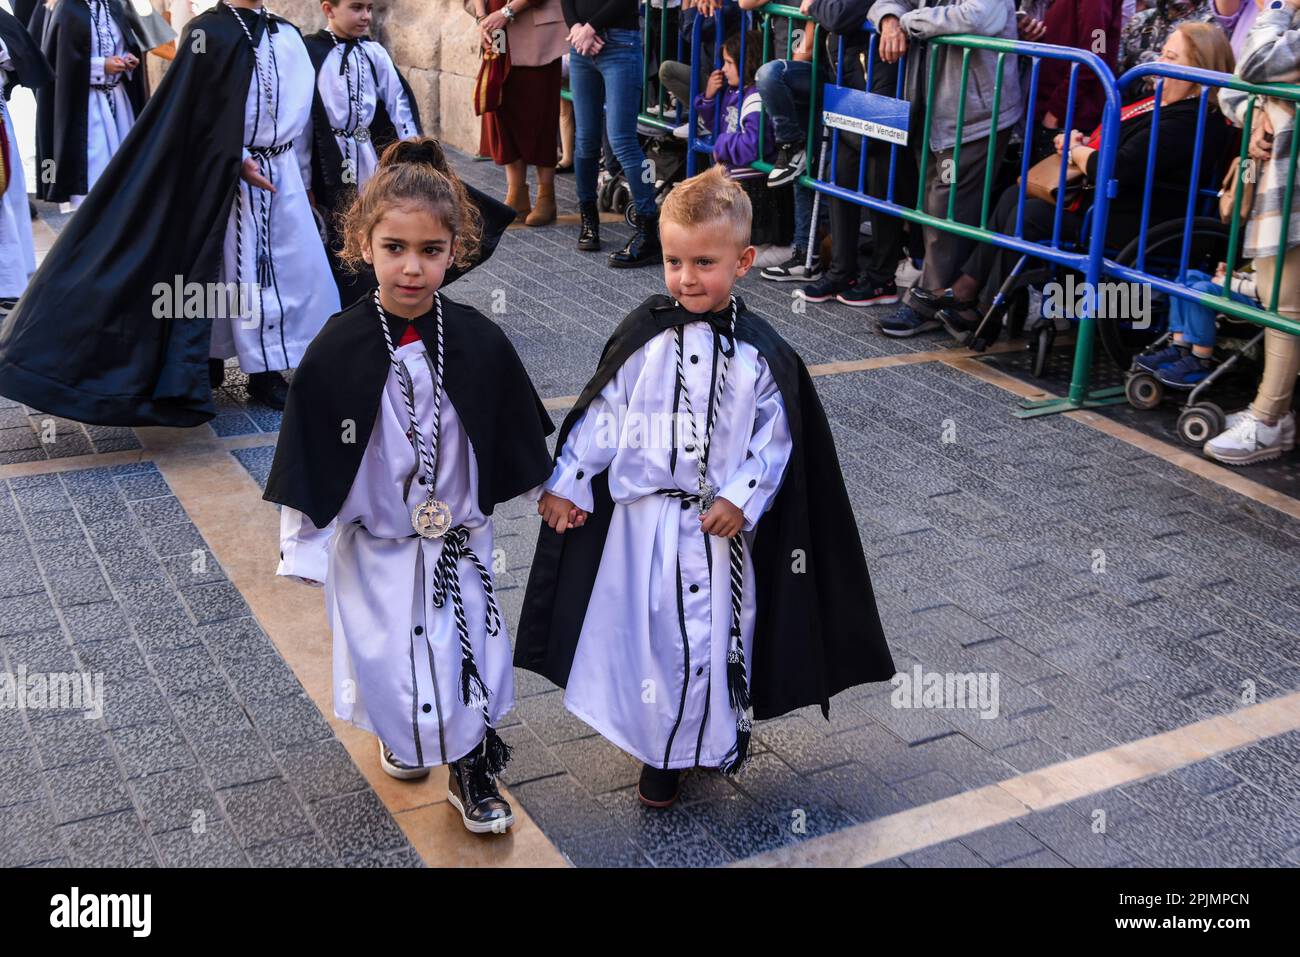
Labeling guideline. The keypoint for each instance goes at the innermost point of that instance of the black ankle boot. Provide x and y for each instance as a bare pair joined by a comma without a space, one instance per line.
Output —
473,792
589,234
216,372
643,248
269,388
658,787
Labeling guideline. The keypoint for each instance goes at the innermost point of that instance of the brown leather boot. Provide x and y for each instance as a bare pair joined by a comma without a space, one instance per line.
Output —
543,212
517,199
568,130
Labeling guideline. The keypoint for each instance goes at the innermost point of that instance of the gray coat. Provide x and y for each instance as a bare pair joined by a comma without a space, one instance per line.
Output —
925,19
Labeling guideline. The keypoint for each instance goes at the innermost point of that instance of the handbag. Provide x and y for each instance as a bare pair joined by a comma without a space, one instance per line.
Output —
493,69
1044,178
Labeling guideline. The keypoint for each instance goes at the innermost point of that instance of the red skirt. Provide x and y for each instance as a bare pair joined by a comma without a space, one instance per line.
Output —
527,125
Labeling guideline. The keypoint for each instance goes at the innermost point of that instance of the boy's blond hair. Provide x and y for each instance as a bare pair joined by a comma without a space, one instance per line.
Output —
707,198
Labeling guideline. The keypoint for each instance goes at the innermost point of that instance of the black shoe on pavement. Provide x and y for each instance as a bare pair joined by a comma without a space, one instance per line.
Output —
658,787
216,372
643,248
589,234
473,792
269,388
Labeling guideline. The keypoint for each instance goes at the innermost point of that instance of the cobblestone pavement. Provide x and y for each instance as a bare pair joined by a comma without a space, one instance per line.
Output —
1114,595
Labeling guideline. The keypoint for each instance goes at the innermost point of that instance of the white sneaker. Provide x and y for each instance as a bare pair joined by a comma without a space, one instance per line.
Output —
772,255
1247,439
906,276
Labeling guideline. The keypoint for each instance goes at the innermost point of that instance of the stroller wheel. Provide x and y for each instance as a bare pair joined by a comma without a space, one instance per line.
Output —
1143,390
1199,423
628,212
605,200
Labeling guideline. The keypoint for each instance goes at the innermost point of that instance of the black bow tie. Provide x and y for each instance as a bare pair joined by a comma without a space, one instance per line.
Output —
721,323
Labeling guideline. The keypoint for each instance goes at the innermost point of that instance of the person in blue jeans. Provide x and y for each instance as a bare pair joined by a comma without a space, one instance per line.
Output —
605,80
1189,357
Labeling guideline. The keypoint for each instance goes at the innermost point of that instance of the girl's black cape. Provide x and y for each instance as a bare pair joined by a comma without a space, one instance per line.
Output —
817,630
61,121
30,68
339,384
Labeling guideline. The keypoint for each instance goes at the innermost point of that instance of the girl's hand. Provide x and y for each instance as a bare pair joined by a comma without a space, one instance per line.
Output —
252,175
722,519
114,64
131,60
559,513
717,79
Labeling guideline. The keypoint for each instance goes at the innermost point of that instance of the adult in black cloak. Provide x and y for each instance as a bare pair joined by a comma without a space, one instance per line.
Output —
331,190
84,341
30,68
61,107
816,629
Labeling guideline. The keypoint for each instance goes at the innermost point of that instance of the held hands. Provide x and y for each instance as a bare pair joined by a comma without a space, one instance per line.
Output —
717,80
583,38
559,513
251,174
722,519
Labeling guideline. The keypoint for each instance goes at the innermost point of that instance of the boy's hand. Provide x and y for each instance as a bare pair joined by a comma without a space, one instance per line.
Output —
722,519
559,513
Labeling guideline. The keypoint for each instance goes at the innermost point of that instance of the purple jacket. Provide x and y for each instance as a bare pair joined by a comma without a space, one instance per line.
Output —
735,143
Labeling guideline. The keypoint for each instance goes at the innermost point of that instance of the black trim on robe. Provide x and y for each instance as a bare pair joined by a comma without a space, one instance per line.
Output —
336,392
328,189
30,68
83,341
61,107
816,632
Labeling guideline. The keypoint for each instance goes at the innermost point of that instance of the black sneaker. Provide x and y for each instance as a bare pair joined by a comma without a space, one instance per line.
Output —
473,792
794,269
907,322
864,294
216,372
824,290
658,787
395,768
269,388
791,161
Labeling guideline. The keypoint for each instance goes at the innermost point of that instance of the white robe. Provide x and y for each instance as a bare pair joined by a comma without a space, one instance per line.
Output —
109,116
649,679
17,254
272,322
397,657
350,98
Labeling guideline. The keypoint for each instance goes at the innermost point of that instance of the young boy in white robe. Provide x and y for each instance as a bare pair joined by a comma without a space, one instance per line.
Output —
363,103
21,62
693,477
409,420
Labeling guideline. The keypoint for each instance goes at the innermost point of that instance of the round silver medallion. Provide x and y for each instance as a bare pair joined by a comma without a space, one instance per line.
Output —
431,519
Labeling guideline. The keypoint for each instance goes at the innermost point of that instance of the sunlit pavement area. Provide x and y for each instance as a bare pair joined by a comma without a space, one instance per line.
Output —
1136,605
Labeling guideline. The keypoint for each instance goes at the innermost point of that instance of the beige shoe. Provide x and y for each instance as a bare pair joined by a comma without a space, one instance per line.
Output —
543,213
518,201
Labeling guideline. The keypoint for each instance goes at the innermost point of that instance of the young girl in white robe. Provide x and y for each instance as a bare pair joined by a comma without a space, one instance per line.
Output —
409,419
17,253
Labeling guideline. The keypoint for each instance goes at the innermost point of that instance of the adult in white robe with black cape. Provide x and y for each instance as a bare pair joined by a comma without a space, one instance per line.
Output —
632,613
21,64
118,324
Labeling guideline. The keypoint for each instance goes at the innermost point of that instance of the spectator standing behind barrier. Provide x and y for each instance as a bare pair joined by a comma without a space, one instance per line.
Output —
1199,45
1092,25
1266,428
1144,35
521,131
901,24
845,281
605,80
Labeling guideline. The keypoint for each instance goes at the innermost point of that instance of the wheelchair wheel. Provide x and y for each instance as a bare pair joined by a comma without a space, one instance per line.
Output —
1143,391
1199,423
1122,338
1041,336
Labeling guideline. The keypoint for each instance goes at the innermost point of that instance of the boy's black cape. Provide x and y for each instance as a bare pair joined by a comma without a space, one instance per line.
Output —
61,121
30,68
342,377
84,342
328,187
817,631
